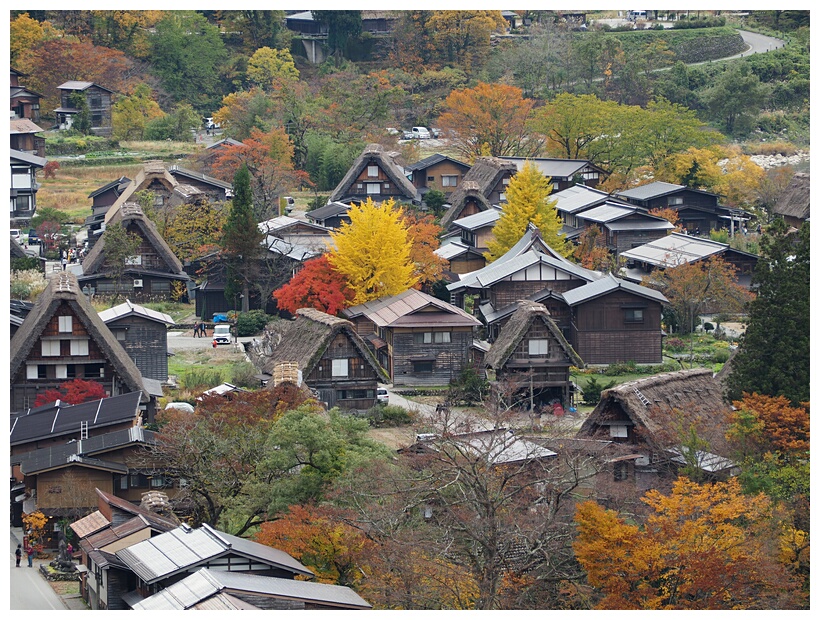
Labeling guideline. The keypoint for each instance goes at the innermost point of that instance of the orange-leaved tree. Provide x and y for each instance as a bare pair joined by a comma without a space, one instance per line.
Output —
317,285
373,251
489,119
334,551
423,233
771,424
703,547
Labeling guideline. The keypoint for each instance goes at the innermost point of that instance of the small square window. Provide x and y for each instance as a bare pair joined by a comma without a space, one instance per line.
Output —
372,171
633,315
339,368
64,324
538,347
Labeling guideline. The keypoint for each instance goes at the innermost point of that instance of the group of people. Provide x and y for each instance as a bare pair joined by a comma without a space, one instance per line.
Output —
200,330
18,555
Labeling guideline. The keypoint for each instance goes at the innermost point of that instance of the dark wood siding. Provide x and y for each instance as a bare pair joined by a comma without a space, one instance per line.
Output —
603,335
429,364
146,342
356,391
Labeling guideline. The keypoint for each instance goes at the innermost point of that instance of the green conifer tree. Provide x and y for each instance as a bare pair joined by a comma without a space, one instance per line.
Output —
241,240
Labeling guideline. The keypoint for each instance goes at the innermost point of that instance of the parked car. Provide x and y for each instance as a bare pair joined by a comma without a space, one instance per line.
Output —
435,132
16,235
407,135
222,333
382,396
420,133
33,237
290,203
392,131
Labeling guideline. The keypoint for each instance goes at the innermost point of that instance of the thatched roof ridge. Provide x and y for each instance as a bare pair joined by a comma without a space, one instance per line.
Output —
516,328
795,199
151,170
64,287
385,162
477,183
694,393
125,214
304,341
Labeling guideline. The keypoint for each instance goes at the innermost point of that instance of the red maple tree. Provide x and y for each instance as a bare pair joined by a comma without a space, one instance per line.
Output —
72,392
317,286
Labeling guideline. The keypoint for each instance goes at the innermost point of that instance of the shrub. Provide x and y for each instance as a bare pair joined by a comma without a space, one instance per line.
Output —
675,345
251,323
470,387
720,356
592,390
388,415
708,327
243,374
622,368
316,202
197,378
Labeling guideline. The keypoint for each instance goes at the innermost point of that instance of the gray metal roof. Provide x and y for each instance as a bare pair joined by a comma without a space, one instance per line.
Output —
606,213
606,285
578,197
478,220
560,168
451,250
206,583
651,190
647,224
331,209
28,158
500,270
675,249
61,419
128,309
59,455
183,548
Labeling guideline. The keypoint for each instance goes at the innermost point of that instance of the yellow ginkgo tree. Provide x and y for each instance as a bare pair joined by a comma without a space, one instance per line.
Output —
373,251
527,202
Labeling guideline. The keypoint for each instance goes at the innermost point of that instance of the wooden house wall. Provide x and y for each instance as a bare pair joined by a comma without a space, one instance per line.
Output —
494,195
154,287
536,279
54,492
361,377
467,264
690,198
146,342
449,359
24,390
698,220
601,334
151,260
624,240
552,369
471,207
422,178
559,311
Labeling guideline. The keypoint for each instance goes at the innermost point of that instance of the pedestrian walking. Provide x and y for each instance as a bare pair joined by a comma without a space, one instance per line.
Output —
196,330
30,554
18,555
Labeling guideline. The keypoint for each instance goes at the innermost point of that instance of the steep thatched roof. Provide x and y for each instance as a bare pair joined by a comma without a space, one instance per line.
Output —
305,340
151,171
64,288
373,154
517,327
477,184
687,398
16,250
794,201
126,214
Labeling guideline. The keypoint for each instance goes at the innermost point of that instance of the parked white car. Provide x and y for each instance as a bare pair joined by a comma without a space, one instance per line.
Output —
382,396
222,333
420,133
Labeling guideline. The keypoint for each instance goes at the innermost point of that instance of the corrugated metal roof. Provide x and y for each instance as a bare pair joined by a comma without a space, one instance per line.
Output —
607,285
63,419
560,168
578,197
648,224
606,213
675,249
478,220
128,308
184,548
651,190
290,588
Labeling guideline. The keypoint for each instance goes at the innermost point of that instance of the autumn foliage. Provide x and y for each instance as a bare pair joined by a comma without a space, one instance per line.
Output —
72,392
317,285
703,547
775,425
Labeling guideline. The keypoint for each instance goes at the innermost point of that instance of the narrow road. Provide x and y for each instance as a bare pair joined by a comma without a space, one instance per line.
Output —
28,590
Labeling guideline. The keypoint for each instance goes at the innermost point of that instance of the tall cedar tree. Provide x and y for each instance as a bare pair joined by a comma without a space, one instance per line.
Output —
241,240
527,202
773,358
373,252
